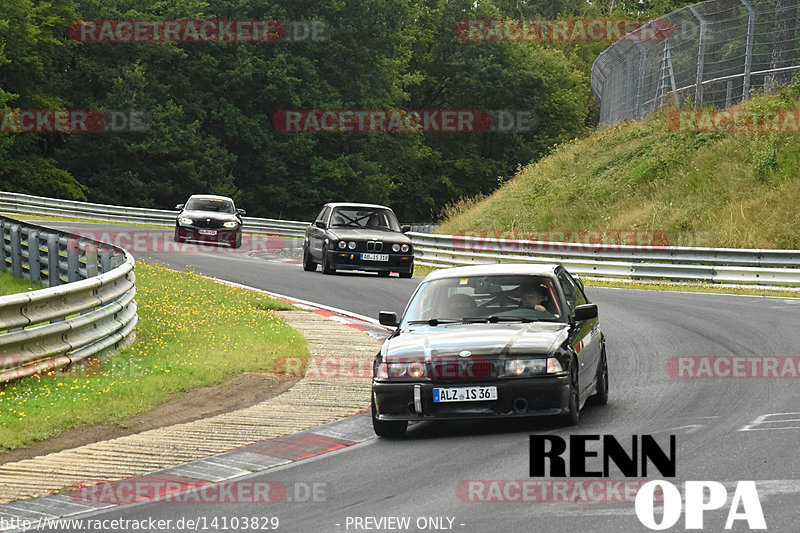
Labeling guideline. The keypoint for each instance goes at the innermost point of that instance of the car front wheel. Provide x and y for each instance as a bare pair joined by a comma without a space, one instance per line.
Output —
570,418
308,264
393,429
326,265
178,235
408,273
601,396
237,243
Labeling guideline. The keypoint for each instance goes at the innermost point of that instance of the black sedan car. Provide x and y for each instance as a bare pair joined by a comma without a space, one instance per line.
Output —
358,237
206,217
508,340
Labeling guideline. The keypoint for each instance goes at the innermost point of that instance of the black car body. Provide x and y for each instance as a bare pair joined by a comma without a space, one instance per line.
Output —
209,218
466,347
346,236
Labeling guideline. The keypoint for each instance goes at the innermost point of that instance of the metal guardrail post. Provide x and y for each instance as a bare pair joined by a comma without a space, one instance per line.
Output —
34,265
16,251
105,259
701,54
91,260
73,259
53,258
748,54
2,245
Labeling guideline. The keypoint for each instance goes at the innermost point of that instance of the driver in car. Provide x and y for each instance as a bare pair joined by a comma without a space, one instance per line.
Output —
532,297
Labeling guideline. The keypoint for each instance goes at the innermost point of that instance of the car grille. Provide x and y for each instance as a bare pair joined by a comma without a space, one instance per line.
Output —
374,246
207,223
462,370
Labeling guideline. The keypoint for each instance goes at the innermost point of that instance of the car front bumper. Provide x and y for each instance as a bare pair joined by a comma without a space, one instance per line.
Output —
352,261
222,235
536,396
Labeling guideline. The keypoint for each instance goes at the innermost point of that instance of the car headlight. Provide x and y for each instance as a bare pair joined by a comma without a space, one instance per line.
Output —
185,221
231,224
395,248
405,248
342,245
352,245
531,367
412,370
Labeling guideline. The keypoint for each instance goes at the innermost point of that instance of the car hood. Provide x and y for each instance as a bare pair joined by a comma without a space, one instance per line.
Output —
369,235
486,340
213,215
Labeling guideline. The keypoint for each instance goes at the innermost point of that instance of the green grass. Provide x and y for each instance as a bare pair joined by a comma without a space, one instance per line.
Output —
11,285
701,189
192,332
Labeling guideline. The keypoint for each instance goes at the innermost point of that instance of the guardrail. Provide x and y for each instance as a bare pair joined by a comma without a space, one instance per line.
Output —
673,263
88,308
39,205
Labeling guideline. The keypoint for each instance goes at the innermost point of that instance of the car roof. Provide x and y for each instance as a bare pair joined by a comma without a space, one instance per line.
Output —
209,197
350,204
526,269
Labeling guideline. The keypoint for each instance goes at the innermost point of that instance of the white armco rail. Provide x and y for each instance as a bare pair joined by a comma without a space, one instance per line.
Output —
666,263
87,309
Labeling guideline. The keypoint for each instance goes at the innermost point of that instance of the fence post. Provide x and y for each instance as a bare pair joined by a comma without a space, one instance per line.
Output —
748,54
53,259
2,244
73,254
729,93
34,267
16,251
640,82
701,53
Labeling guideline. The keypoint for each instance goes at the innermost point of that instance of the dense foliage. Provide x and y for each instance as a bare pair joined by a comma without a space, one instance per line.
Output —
209,106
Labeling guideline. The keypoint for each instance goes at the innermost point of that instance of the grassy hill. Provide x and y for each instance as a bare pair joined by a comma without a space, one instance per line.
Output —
702,189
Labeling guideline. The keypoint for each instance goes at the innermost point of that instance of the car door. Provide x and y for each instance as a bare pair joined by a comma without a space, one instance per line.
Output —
316,236
585,336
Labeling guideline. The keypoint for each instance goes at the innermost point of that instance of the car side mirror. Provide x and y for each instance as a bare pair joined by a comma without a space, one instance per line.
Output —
388,318
405,229
320,224
241,212
179,206
585,312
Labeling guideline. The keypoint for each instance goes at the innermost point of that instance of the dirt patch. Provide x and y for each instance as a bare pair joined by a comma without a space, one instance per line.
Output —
238,392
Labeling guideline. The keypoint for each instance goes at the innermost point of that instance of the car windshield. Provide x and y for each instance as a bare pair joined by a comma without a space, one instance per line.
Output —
217,205
484,299
364,217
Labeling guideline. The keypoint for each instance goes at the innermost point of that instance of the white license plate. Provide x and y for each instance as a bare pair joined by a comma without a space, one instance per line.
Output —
374,257
206,232
465,394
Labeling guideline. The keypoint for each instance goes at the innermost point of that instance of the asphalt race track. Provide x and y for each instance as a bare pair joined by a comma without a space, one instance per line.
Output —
727,429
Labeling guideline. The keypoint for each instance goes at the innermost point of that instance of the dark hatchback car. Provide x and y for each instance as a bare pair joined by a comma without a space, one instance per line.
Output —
358,237
209,218
490,341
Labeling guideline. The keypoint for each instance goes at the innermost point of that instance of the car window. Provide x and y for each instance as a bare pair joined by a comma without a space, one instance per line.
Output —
323,215
216,205
501,297
365,217
572,293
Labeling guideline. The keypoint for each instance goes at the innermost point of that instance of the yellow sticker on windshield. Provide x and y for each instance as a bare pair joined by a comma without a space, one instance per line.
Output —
464,281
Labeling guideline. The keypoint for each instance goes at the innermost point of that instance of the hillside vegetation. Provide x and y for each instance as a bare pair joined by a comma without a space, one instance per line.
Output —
701,189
